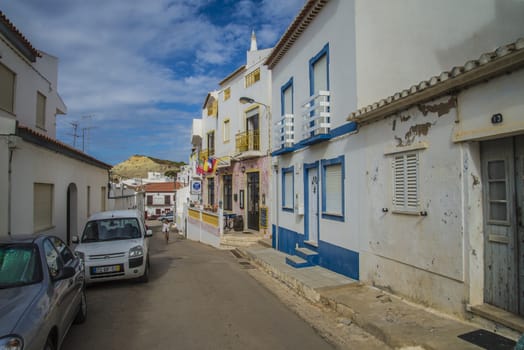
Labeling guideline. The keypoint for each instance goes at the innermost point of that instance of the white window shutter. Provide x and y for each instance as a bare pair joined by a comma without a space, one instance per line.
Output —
333,183
405,182
288,183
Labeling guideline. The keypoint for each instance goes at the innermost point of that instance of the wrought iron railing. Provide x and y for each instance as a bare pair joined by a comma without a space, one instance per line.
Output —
248,141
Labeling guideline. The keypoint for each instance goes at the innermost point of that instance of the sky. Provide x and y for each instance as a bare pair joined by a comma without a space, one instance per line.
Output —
134,74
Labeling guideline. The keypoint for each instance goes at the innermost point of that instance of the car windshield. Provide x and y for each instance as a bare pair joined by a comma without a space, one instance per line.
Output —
19,265
111,229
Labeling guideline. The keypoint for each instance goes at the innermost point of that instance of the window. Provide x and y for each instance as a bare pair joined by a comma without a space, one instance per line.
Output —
211,143
333,188
40,110
498,203
288,189
211,191
227,131
149,200
42,206
227,94
88,199
167,199
54,263
7,89
405,182
252,77
228,192
212,108
319,71
103,198
286,96
62,249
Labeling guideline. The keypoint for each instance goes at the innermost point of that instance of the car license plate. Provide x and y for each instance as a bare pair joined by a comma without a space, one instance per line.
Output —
106,269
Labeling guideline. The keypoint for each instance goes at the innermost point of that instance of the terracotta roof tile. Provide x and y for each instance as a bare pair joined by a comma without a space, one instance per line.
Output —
23,40
504,59
38,138
162,186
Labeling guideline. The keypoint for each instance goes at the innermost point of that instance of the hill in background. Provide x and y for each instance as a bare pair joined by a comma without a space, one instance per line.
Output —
138,166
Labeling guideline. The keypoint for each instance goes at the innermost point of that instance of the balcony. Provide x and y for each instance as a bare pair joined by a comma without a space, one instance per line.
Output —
206,153
248,145
316,118
284,131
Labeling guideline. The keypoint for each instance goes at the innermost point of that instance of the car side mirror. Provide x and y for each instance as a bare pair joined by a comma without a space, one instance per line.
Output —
75,239
65,273
149,233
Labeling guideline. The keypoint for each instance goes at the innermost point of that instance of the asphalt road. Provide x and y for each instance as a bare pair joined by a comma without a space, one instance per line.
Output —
198,297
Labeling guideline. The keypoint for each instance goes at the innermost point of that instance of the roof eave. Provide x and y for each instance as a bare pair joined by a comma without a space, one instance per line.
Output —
482,73
308,13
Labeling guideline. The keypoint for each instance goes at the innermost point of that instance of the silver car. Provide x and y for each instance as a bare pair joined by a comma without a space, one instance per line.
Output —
42,292
115,246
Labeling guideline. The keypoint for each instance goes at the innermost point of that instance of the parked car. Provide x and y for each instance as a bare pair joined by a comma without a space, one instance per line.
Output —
42,292
115,245
168,217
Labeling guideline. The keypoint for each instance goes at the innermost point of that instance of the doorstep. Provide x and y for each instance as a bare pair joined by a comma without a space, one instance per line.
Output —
498,315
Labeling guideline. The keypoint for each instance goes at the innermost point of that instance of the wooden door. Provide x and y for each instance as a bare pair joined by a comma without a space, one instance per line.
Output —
500,231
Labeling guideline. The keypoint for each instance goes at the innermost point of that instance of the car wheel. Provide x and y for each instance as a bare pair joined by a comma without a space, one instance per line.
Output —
145,277
49,344
82,310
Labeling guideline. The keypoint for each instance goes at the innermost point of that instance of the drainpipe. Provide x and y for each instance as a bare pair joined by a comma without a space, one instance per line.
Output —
276,207
11,142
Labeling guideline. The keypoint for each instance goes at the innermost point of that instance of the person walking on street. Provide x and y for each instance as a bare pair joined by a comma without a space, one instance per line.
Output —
165,229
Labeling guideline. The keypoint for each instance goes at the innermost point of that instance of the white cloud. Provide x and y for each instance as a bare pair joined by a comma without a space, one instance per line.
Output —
119,58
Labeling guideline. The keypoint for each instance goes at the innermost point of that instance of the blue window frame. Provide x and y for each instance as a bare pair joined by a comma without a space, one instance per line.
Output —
324,52
333,175
288,189
286,97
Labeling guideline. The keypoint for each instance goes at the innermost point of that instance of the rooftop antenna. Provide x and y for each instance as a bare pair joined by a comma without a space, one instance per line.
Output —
74,134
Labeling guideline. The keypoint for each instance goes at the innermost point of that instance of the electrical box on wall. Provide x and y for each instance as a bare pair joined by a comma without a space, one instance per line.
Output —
300,210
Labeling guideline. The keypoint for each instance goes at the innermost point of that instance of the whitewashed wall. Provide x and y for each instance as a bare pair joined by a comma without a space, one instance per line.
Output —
399,43
30,165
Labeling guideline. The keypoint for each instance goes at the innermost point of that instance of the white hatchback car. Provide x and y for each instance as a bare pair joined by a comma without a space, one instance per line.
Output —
115,245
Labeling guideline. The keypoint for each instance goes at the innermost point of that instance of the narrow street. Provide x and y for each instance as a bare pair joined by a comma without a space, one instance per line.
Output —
198,297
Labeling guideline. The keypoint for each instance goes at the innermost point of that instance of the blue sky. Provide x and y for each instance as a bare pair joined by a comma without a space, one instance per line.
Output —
134,73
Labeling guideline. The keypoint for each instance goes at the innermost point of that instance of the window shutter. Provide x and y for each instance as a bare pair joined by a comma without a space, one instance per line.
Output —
288,194
42,206
405,182
333,182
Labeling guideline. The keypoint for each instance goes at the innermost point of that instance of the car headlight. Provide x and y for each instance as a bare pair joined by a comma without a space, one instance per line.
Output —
135,252
11,342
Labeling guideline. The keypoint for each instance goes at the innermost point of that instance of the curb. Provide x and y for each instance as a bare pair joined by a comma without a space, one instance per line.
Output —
299,287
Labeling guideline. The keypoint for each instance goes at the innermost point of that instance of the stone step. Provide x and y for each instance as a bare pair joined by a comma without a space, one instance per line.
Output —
310,255
297,262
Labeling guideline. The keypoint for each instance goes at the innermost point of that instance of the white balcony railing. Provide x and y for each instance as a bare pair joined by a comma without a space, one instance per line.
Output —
284,132
316,115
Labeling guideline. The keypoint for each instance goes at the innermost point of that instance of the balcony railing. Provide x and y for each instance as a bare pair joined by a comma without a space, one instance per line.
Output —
316,115
284,132
248,141
206,153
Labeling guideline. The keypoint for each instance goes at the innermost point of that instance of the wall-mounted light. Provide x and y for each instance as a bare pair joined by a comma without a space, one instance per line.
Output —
243,169
245,100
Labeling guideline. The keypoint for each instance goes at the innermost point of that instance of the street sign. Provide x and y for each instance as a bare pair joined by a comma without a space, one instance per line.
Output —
196,187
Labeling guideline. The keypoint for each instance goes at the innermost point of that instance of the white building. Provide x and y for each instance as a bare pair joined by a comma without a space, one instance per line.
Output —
407,194
46,185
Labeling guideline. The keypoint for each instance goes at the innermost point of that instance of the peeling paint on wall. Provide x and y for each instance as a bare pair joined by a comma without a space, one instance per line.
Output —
440,108
476,180
413,132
